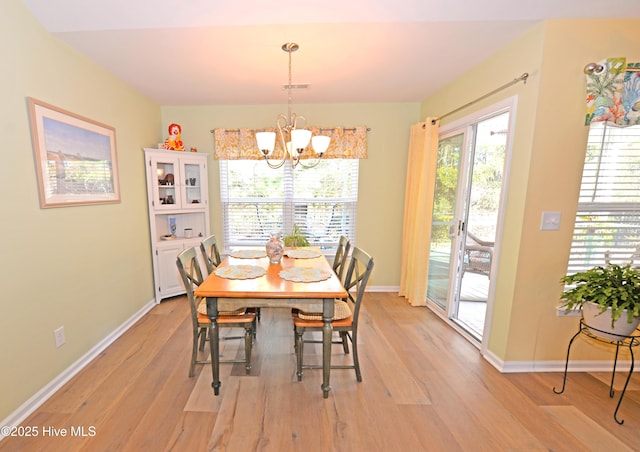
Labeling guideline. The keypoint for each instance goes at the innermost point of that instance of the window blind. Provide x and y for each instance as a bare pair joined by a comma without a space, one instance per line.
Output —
608,216
258,201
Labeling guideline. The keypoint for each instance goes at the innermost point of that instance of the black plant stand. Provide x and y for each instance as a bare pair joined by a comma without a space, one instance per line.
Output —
622,341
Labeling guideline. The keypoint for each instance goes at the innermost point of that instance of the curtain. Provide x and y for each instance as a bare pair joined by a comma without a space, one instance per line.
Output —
613,94
418,206
240,144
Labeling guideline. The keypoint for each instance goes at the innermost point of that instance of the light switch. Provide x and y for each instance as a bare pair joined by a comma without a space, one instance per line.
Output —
550,221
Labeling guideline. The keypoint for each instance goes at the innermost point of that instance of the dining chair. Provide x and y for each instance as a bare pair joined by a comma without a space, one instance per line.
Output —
211,257
346,314
340,260
210,253
191,274
339,264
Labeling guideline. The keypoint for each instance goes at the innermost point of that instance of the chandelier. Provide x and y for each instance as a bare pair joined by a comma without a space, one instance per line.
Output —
293,137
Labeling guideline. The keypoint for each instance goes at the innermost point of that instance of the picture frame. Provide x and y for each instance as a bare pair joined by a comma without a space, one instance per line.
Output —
75,157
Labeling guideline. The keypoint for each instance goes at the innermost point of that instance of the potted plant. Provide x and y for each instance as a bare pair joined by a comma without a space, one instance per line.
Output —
609,297
296,238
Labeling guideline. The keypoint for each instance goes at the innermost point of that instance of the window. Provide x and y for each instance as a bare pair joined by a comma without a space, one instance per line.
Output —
608,217
258,201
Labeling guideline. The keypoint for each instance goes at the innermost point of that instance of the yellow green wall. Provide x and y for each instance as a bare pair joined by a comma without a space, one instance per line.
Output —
382,174
85,268
554,179
545,173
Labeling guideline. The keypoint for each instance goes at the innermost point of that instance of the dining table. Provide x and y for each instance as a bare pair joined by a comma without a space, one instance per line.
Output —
303,279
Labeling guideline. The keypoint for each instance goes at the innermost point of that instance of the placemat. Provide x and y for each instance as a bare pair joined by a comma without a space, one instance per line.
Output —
304,274
248,254
302,254
240,271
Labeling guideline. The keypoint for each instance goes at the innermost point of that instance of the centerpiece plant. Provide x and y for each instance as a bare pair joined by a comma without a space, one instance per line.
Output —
296,238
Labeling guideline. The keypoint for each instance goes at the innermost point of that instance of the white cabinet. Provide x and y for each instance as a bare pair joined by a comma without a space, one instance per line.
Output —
168,279
177,193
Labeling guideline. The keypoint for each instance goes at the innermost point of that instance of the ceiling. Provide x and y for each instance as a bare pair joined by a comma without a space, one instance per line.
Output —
203,52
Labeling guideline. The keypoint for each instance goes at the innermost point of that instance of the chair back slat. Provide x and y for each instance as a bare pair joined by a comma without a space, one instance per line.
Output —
340,260
191,274
357,277
210,253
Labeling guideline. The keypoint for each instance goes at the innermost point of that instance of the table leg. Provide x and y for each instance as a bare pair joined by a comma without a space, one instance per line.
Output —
214,345
327,334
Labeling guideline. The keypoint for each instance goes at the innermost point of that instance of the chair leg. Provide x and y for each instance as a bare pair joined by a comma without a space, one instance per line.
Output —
295,343
248,341
203,338
299,351
345,344
354,346
194,352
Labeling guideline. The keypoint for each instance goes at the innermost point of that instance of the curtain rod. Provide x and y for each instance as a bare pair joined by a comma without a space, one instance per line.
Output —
321,129
522,78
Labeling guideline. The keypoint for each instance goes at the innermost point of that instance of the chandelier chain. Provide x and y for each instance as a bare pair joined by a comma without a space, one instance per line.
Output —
290,119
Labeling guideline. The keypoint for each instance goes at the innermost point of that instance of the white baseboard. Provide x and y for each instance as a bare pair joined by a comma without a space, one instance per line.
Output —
392,289
54,385
554,366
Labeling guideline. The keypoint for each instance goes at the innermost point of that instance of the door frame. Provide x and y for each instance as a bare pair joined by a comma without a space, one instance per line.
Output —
509,104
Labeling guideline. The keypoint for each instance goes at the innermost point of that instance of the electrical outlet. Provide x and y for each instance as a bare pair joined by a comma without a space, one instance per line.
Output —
59,336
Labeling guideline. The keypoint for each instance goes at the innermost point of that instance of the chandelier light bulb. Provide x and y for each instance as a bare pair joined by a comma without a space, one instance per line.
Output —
320,144
300,139
266,142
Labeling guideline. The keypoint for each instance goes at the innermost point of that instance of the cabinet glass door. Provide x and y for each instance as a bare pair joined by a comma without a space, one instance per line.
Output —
165,192
193,180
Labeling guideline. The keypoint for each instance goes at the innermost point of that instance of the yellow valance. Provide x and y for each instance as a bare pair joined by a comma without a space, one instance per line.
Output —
240,144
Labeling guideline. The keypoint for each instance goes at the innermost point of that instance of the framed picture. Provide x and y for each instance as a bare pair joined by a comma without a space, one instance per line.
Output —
76,158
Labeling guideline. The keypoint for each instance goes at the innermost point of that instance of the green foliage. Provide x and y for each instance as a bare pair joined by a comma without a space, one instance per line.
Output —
613,286
296,238
485,194
446,186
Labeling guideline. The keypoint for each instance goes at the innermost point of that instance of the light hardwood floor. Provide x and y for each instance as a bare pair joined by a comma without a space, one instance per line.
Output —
424,388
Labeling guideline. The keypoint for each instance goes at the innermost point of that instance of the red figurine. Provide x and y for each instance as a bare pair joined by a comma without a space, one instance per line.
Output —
173,141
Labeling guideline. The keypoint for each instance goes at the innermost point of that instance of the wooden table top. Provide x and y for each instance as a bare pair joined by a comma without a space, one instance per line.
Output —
271,285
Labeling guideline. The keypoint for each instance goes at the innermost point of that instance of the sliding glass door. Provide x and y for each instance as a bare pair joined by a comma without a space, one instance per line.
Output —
444,218
469,181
